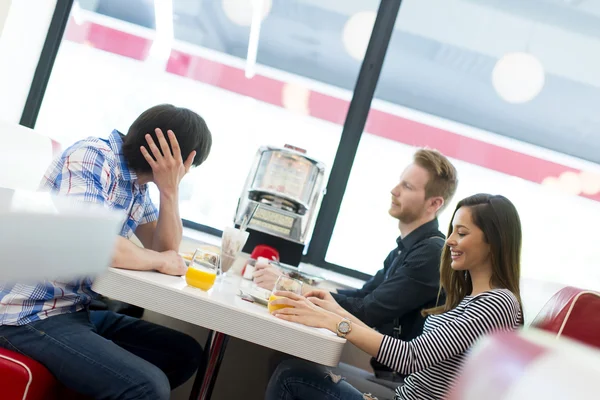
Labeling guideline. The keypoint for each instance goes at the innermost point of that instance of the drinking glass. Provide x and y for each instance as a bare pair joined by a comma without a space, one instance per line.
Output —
203,269
232,242
284,284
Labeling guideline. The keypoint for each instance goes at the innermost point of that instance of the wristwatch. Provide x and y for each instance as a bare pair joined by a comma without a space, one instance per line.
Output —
344,327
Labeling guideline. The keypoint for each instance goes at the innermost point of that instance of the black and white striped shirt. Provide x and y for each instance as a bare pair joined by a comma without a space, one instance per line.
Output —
434,359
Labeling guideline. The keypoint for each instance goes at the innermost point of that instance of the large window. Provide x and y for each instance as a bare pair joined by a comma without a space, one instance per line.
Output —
503,138
508,90
117,59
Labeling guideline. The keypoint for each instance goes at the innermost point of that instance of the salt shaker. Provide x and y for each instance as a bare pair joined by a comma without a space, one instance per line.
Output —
248,270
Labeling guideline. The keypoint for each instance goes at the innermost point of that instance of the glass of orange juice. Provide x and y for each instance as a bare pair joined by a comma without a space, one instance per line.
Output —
202,270
284,284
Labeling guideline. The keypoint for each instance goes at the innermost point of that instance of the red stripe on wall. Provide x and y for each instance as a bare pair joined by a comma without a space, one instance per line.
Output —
463,148
325,107
225,77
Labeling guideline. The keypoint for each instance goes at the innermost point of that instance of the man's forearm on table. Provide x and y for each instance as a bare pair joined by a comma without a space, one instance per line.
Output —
169,228
127,255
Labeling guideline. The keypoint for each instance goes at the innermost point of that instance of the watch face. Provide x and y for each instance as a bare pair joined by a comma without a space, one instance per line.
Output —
344,327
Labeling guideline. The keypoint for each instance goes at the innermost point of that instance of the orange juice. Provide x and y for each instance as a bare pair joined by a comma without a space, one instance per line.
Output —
277,306
202,279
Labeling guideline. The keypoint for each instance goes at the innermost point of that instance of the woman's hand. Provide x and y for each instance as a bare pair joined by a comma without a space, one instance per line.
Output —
302,311
325,300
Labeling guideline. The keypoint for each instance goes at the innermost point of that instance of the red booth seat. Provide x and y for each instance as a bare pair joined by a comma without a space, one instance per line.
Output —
22,378
532,364
573,313
529,364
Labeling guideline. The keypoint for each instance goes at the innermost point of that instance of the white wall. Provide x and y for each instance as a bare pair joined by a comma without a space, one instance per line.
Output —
4,6
25,24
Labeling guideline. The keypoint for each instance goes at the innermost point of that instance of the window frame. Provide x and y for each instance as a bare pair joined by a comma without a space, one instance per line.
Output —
352,130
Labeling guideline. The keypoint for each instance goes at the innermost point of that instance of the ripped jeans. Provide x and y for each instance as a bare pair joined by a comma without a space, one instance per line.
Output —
302,380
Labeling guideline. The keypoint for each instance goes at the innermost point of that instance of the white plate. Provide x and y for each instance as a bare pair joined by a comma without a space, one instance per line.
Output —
258,295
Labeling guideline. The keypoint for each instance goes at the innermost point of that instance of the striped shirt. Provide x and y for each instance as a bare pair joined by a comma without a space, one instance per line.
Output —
434,359
92,170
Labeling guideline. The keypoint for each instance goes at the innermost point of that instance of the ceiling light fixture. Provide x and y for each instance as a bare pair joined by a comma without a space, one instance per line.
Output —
241,12
357,33
518,77
257,16
160,51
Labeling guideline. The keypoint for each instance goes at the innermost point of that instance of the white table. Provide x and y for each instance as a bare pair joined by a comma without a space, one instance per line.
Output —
223,312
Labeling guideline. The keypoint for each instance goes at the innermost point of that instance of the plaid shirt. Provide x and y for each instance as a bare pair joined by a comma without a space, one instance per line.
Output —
92,170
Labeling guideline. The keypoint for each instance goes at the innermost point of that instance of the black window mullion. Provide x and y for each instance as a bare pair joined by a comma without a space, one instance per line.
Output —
202,228
354,125
39,83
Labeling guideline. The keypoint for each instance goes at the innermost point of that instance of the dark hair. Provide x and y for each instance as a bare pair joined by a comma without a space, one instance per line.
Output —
499,220
189,129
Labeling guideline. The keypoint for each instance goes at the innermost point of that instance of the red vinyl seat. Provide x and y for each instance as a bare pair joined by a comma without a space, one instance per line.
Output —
22,378
528,364
525,364
573,313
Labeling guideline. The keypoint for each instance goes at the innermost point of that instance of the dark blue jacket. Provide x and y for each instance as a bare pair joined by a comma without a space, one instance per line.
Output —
408,283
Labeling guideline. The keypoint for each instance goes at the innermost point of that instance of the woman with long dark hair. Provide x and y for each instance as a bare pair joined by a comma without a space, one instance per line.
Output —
479,273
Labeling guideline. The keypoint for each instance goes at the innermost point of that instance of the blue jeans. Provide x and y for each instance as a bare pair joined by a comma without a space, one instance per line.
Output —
107,355
302,380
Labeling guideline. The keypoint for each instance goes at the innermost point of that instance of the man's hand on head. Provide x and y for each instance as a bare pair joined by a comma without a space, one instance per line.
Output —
167,166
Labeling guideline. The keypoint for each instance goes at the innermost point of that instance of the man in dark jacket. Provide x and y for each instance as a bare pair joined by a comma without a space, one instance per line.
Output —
392,300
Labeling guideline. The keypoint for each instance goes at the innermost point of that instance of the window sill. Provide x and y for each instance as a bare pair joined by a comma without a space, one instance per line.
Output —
334,279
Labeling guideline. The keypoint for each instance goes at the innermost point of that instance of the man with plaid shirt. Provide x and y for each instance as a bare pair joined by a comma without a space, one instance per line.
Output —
100,353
